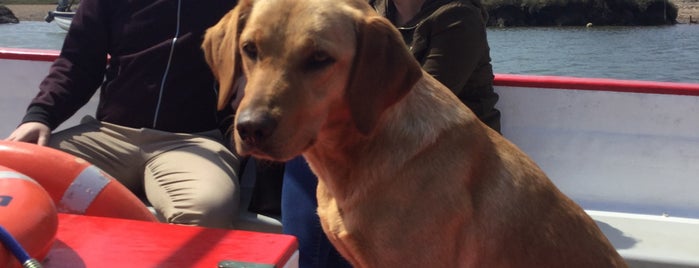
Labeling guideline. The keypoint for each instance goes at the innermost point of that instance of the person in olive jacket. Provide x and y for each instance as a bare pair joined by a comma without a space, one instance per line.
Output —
448,38
157,129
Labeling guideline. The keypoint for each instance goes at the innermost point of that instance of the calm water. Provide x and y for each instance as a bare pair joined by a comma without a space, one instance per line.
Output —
666,53
31,34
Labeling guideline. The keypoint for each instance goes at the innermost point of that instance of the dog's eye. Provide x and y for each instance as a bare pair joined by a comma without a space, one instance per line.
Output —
250,50
319,60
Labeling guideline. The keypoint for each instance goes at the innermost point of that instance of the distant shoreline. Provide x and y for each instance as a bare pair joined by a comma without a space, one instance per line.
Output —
685,10
30,12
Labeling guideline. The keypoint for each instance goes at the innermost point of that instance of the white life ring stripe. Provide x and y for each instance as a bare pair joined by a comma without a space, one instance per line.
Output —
13,175
82,191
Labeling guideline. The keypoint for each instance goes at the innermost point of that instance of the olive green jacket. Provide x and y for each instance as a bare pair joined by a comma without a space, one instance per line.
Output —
448,38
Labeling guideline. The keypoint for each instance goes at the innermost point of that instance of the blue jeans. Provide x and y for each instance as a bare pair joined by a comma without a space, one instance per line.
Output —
299,217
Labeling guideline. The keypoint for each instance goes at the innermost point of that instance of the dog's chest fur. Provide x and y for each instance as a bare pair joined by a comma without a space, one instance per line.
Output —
395,172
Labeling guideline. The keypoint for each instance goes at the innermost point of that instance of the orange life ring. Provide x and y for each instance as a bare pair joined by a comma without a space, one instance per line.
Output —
76,186
28,214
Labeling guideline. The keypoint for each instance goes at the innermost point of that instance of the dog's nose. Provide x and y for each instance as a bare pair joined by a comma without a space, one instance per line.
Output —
254,127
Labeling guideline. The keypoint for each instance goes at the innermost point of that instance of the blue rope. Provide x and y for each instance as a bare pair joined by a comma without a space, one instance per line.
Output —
13,245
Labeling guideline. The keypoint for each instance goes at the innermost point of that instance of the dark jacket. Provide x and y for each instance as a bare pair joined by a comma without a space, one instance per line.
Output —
138,37
448,38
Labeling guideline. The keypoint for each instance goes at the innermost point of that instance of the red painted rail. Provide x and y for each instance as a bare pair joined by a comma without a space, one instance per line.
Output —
28,54
597,84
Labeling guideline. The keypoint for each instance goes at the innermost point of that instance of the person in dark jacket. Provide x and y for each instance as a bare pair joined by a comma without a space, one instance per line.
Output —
157,129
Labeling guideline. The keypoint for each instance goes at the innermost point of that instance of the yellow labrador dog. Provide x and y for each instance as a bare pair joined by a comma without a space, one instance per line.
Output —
408,176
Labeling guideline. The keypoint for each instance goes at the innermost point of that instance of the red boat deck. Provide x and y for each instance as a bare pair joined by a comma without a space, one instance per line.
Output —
87,241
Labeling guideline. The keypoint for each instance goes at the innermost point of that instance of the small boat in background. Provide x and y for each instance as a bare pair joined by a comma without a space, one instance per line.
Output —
63,15
61,18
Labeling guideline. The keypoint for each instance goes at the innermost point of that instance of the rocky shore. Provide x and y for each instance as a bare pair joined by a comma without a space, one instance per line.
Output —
30,12
686,9
512,13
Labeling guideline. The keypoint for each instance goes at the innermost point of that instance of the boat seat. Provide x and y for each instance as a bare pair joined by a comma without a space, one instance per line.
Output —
248,220
651,241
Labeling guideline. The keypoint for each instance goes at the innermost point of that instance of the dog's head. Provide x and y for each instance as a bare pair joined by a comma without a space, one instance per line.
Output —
309,64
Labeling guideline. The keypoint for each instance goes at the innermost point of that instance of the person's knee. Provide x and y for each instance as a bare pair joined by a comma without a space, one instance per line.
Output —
208,211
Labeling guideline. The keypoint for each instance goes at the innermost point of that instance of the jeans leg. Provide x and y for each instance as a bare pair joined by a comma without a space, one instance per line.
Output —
299,217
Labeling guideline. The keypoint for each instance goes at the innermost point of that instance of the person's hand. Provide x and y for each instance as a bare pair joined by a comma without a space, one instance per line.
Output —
33,132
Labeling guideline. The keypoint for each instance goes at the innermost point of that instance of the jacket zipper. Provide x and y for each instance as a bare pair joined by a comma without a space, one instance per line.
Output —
167,67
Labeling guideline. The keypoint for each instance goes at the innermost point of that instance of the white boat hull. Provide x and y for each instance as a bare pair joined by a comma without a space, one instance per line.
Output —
629,158
61,18
612,141
63,23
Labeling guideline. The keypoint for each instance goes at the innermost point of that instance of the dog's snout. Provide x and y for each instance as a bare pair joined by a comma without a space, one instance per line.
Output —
255,127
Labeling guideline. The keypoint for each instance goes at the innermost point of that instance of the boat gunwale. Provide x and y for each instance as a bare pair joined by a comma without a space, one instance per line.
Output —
28,54
596,84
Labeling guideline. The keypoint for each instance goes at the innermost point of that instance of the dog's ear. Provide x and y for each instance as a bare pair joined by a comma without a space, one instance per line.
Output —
383,72
220,47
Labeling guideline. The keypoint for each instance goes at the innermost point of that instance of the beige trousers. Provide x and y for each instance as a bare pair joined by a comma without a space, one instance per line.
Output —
189,179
